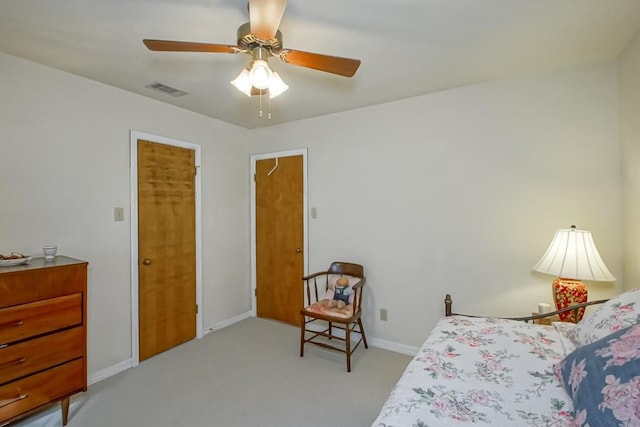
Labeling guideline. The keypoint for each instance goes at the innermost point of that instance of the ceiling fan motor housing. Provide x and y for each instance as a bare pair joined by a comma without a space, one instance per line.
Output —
248,41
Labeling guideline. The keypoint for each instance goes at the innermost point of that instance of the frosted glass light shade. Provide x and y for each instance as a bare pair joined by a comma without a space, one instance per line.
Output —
277,86
572,254
242,82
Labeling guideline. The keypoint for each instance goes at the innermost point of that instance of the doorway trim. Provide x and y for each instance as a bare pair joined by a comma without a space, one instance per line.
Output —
305,210
133,159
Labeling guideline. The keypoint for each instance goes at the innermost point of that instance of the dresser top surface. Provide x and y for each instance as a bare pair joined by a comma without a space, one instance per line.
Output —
38,263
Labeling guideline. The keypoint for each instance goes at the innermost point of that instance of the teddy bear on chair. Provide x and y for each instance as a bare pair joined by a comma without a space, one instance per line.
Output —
341,293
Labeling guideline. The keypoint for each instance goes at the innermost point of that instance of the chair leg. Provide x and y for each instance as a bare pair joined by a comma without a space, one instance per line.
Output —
302,331
364,337
348,345
330,330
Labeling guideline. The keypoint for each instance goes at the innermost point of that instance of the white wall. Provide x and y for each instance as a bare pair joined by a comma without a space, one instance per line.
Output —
462,191
630,138
459,191
64,166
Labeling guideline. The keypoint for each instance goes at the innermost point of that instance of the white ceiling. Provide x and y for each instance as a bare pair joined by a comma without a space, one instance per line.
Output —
407,47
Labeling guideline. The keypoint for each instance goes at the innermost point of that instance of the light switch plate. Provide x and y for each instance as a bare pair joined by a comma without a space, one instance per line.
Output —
118,214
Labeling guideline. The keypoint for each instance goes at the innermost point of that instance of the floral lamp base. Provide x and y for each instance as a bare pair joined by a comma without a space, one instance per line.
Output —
568,292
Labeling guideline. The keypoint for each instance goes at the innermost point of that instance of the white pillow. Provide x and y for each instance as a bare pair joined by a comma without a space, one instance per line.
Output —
615,314
564,330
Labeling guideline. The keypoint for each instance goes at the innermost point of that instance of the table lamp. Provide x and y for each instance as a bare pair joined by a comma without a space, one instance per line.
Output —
572,256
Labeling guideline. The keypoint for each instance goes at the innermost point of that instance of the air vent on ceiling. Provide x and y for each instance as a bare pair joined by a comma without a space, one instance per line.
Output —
160,87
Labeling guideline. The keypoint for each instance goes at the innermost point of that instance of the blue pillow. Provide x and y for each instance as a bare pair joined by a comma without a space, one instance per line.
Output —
603,379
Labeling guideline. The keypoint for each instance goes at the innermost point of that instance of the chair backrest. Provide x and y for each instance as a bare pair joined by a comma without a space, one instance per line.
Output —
313,293
347,268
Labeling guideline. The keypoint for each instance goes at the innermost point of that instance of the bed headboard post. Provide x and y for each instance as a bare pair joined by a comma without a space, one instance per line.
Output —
447,305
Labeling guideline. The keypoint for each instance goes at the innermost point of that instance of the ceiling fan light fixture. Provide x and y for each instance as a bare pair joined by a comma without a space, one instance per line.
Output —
243,82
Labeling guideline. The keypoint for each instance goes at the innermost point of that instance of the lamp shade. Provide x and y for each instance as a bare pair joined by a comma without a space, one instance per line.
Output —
573,254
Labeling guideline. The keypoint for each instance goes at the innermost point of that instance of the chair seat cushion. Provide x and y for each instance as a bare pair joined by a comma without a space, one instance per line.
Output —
322,307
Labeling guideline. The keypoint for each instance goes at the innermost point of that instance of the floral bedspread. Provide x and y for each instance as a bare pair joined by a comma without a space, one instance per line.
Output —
483,371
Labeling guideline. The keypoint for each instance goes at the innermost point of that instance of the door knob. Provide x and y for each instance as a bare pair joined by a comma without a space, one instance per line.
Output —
146,261
298,250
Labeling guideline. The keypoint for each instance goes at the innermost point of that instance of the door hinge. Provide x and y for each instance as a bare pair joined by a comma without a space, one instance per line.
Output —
255,292
254,177
195,170
196,308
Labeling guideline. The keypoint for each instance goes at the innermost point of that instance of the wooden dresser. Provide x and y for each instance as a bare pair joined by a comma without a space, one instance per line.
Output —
43,336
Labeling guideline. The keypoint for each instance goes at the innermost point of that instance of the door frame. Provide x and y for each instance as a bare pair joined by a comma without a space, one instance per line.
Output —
133,159
305,219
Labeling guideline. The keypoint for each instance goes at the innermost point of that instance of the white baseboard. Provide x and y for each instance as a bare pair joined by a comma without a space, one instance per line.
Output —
110,371
235,319
393,346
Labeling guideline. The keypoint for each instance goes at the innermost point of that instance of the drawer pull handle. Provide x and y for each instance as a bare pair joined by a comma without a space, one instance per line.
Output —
12,324
13,362
6,402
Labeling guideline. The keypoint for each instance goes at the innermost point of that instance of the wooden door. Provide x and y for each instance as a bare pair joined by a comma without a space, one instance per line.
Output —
166,247
279,238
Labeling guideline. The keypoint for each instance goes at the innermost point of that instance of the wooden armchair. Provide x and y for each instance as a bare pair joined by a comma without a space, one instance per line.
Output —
322,315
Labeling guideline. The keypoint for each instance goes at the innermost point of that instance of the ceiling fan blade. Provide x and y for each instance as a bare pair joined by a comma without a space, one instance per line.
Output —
265,17
346,67
176,46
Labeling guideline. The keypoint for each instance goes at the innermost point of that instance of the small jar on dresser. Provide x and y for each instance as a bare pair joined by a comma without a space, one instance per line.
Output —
43,336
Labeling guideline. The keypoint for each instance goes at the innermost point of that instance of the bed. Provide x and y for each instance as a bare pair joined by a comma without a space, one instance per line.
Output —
509,372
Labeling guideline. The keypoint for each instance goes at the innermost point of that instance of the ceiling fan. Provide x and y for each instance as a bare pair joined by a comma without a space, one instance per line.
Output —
261,39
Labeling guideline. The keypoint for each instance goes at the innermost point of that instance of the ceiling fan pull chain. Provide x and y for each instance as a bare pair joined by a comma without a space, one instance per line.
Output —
269,114
260,113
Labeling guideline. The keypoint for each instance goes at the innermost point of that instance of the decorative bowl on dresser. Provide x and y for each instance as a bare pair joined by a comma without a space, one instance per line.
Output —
43,336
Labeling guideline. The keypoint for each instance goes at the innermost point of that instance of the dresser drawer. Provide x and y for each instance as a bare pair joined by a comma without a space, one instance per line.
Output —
40,389
27,320
35,355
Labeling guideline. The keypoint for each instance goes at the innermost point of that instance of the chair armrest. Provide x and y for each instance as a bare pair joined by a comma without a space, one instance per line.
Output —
360,283
357,289
311,276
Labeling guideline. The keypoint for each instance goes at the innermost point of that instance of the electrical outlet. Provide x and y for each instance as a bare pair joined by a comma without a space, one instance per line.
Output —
383,314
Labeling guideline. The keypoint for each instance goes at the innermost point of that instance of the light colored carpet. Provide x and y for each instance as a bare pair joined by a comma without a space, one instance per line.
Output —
248,374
